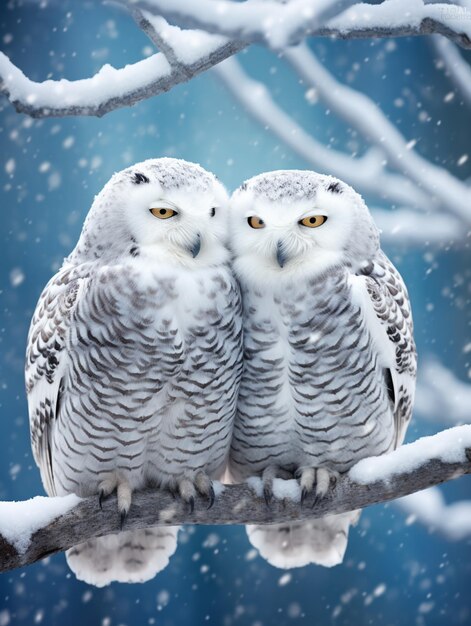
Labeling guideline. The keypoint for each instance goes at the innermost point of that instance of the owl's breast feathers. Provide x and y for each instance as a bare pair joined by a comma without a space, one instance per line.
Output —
316,384
119,360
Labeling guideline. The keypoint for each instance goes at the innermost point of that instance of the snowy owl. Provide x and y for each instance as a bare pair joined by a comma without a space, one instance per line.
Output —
329,355
134,357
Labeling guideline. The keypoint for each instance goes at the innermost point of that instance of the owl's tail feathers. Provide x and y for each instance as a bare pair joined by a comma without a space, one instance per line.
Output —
322,541
133,556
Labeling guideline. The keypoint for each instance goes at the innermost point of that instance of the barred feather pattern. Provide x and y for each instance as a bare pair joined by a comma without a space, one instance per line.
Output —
315,391
132,371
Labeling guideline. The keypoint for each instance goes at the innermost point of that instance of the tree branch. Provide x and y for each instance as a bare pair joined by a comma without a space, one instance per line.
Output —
456,67
415,228
32,530
254,21
111,88
363,114
367,173
279,26
228,28
452,521
450,408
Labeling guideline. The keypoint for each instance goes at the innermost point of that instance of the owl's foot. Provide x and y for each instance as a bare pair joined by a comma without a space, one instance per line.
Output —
269,474
123,492
317,479
191,484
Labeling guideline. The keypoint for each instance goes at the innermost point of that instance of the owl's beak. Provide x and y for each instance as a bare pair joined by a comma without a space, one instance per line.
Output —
195,246
281,257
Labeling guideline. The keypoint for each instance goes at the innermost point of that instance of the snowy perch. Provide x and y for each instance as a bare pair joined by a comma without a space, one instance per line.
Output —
34,529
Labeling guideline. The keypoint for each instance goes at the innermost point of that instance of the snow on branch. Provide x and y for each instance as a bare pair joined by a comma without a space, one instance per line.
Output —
364,115
223,28
280,25
113,88
265,21
34,529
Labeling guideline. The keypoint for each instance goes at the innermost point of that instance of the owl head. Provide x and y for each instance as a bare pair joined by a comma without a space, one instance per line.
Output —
288,224
164,210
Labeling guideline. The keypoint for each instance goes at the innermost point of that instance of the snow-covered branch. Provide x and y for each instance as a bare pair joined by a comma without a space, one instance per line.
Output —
456,67
428,507
39,527
113,88
365,116
451,407
223,28
415,228
263,21
280,25
366,173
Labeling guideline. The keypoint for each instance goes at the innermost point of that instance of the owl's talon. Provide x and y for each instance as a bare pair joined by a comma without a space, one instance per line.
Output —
101,497
204,487
268,494
316,479
122,518
189,485
212,497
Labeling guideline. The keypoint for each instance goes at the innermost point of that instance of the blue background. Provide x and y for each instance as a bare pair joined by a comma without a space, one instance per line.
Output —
49,172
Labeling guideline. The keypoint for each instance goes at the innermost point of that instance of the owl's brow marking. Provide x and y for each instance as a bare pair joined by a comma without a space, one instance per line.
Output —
139,178
334,187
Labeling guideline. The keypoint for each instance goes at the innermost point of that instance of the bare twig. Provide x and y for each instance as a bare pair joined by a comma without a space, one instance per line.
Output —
409,469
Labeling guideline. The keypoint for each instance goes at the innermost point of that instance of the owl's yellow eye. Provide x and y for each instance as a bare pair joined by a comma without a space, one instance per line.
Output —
162,213
313,221
255,222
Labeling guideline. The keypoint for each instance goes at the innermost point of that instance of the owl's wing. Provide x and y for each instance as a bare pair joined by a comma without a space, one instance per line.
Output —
47,362
382,295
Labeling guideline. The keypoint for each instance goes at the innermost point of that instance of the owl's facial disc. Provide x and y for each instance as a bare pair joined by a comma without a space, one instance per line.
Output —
161,212
290,245
291,224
